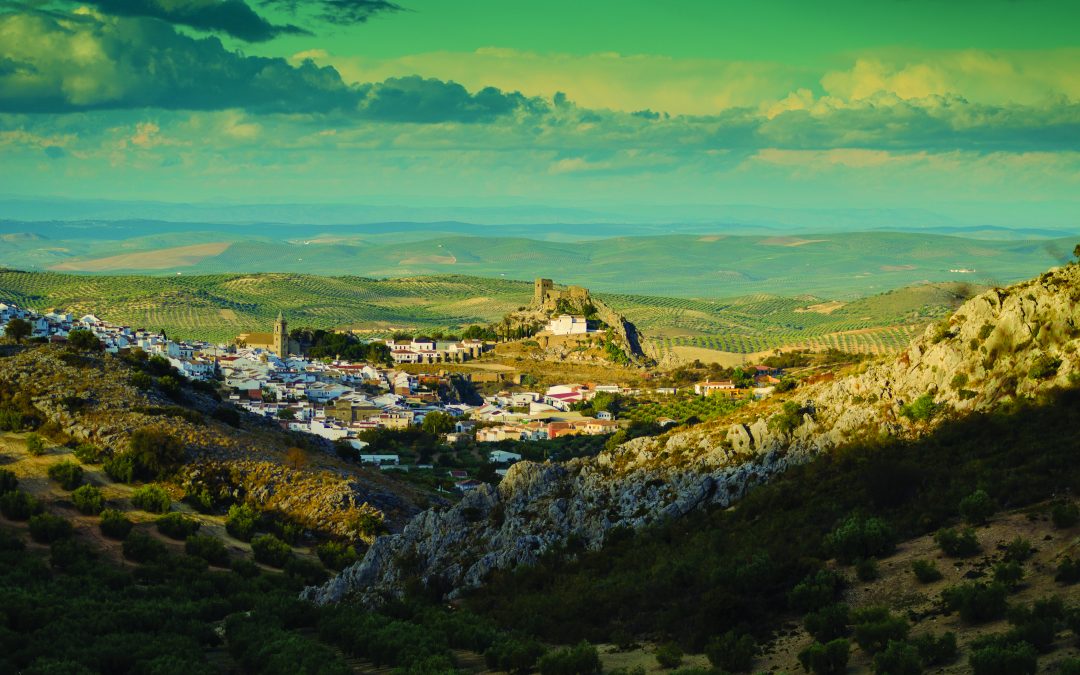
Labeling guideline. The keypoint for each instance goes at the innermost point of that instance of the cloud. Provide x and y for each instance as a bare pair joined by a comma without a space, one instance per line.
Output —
415,99
232,17
342,12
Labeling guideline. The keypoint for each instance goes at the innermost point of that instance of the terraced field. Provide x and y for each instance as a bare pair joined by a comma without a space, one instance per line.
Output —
217,307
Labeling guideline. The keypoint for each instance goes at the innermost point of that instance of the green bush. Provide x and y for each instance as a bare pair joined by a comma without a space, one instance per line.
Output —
46,528
866,569
177,525
874,627
114,524
925,571
156,452
955,544
514,654
669,655
977,602
828,623
1068,571
68,474
936,651
732,652
580,659
1000,658
19,505
826,659
120,468
305,572
977,507
1044,366
209,548
270,550
241,521
1065,514
898,658
1069,667
859,537
336,555
142,548
35,445
8,481
245,568
815,591
1018,550
88,500
151,498
1009,573
88,453
921,409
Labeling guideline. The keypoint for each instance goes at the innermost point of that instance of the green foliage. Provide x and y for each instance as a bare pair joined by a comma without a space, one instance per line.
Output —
84,341
1018,550
1001,658
1037,625
209,548
270,550
336,555
732,652
1044,367
921,409
35,445
156,452
828,623
261,645
1069,667
514,654
874,627
88,453
898,658
142,548
68,474
152,498
955,544
1065,514
18,505
18,329
114,524
826,659
925,571
88,500
936,651
306,572
1009,573
580,659
1068,571
815,591
120,468
177,525
242,521
977,507
46,528
859,537
8,481
788,419
866,569
977,602
959,381
669,655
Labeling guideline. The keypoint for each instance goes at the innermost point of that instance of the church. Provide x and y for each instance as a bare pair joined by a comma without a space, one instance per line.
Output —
277,342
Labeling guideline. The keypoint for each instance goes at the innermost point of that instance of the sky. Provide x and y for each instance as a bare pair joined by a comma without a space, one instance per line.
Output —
967,108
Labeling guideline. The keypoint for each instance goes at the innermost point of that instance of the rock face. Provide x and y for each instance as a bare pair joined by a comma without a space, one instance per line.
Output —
1019,341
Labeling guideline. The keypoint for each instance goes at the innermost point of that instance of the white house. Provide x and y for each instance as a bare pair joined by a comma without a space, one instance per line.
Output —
503,457
565,324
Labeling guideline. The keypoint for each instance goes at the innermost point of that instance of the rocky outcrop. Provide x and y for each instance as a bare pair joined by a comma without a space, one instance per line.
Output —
1003,344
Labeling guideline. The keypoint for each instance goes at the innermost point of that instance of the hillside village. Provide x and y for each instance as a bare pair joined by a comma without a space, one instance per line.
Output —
339,400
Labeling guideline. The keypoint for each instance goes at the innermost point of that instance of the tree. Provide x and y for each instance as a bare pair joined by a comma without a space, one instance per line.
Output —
438,423
295,458
88,500
18,329
270,550
156,452
84,341
286,414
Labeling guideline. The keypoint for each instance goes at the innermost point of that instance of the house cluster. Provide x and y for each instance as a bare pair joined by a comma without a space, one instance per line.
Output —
426,350
195,360
764,379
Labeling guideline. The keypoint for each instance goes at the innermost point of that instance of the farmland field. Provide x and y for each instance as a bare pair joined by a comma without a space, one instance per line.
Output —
218,307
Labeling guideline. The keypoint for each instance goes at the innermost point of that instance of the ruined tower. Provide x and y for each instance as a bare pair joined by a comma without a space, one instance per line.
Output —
542,288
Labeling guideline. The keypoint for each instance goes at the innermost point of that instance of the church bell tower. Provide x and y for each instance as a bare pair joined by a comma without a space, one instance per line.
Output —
281,337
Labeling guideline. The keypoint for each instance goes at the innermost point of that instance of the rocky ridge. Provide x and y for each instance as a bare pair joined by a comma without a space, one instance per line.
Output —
1003,344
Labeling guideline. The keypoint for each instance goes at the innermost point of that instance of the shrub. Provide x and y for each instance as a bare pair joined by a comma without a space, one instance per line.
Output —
142,381
336,555
270,550
151,498
1065,514
732,652
815,591
828,623
977,507
1009,573
936,651
68,474
241,521
977,602
35,445
1068,571
83,340
8,481
88,500
925,571
866,569
19,505
200,499
921,409
114,524
306,572
580,659
898,658
669,655
859,537
1000,658
209,548
1069,667
156,452
142,548
876,626
959,381
177,525
120,468
46,528
88,453
955,544
826,659
1018,550
514,654
245,568
1043,367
